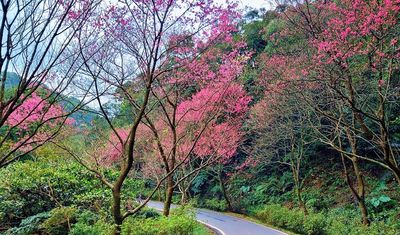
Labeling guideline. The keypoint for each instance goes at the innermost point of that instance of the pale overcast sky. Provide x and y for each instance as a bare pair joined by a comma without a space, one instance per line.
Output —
256,3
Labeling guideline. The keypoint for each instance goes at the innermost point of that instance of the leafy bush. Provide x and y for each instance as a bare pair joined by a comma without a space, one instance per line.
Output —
32,187
89,223
180,222
315,224
316,201
60,220
98,228
28,188
282,217
146,213
215,204
335,222
30,225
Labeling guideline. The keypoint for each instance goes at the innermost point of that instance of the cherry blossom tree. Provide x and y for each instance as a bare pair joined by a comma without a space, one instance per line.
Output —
282,121
130,49
34,37
356,56
353,53
205,125
199,133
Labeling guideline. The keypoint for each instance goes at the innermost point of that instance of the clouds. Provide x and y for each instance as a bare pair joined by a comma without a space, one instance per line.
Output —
256,3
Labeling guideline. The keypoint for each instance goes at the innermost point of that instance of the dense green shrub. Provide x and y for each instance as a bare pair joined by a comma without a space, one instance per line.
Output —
89,223
315,224
60,220
316,201
215,204
98,228
32,187
345,221
284,218
335,222
58,196
180,222
30,225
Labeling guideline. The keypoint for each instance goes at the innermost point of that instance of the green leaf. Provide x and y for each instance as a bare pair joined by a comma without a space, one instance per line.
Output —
384,198
375,202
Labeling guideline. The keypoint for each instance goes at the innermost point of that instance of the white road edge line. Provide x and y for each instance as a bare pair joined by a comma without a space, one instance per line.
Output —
222,232
206,224
262,225
211,226
248,221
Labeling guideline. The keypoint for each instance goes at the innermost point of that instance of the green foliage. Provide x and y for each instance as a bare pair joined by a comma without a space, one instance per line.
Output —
215,204
147,213
315,224
180,222
333,222
89,223
30,225
31,187
254,39
281,42
98,228
377,197
377,201
60,220
341,221
292,220
316,201
199,182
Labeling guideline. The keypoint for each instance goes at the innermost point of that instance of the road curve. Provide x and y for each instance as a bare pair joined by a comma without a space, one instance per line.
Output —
226,224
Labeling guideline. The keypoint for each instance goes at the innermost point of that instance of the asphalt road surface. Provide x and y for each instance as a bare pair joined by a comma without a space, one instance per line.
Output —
226,224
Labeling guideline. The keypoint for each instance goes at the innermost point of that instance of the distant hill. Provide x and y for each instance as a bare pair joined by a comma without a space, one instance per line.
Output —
81,117
12,80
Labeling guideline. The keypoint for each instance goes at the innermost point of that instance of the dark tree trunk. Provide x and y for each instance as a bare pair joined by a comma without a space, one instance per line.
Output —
302,205
224,193
297,189
360,192
116,209
168,196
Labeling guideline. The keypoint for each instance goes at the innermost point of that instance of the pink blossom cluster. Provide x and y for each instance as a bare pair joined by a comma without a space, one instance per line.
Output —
113,149
36,121
358,27
35,110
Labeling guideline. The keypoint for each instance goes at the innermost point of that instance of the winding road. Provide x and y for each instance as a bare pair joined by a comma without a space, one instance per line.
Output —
226,224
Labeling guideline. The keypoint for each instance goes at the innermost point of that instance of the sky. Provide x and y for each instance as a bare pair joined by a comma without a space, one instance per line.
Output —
256,3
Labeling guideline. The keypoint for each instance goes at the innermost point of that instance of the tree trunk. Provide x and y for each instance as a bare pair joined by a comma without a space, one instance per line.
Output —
359,197
360,192
364,212
185,196
297,189
168,196
224,193
159,194
116,211
302,205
